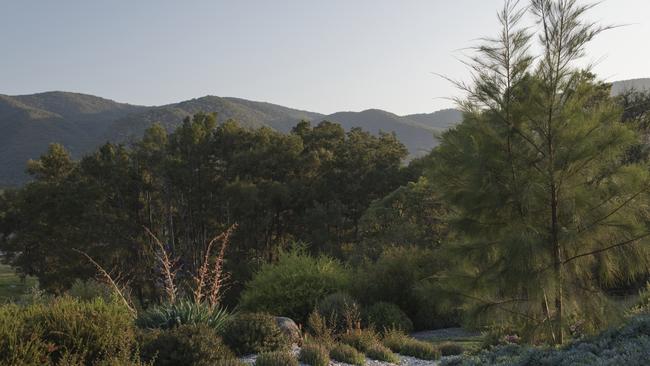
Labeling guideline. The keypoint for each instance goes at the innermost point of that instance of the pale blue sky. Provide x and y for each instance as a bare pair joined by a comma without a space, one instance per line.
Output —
323,56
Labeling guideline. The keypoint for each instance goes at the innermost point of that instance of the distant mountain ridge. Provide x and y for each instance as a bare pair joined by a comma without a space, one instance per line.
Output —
82,122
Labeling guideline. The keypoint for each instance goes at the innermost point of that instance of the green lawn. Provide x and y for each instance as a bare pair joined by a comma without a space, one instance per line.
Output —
11,286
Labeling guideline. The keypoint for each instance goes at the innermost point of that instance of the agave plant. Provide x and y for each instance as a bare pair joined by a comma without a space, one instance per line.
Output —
184,312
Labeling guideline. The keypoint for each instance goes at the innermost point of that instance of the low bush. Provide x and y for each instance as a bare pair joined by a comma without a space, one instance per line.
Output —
183,313
89,290
401,276
294,285
66,331
626,345
407,346
450,349
341,311
233,362
278,358
380,352
254,333
384,316
184,345
319,329
361,339
315,355
348,354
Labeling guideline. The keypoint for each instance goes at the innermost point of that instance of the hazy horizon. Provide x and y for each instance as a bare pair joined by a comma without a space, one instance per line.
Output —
325,57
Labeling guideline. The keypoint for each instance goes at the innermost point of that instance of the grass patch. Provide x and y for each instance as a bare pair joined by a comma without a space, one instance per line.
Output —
12,286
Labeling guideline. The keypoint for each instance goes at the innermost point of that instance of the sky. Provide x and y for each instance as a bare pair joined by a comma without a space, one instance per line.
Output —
322,56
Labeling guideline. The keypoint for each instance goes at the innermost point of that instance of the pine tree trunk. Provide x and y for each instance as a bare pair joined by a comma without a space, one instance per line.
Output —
557,260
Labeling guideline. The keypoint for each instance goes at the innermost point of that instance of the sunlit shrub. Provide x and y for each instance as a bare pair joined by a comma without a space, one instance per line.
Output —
294,285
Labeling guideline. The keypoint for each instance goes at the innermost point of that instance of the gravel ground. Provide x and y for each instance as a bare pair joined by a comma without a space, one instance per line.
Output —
405,361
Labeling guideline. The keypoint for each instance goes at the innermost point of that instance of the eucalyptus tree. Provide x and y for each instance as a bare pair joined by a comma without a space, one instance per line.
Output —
544,205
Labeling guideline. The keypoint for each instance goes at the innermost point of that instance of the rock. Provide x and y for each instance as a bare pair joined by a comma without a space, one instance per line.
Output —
290,329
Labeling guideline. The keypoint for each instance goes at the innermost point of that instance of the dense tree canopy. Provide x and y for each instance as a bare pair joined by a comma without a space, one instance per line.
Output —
311,185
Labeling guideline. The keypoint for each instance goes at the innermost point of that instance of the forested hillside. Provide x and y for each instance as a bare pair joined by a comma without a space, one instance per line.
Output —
83,122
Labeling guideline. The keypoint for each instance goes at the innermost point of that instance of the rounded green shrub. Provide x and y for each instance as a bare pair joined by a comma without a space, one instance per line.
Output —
380,352
278,358
348,354
384,315
339,309
64,330
315,355
294,285
450,349
184,345
168,316
250,333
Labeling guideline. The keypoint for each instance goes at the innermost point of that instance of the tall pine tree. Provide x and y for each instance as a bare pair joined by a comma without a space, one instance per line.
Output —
544,206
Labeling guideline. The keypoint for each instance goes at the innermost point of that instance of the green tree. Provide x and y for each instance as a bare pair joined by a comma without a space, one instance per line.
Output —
542,201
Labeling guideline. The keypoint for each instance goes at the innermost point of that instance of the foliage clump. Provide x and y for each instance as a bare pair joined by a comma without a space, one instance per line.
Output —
348,354
250,333
625,345
405,345
49,332
315,355
380,352
188,344
183,312
277,358
450,349
361,339
384,315
341,311
294,285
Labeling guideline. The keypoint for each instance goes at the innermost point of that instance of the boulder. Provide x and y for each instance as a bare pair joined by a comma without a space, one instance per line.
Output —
290,329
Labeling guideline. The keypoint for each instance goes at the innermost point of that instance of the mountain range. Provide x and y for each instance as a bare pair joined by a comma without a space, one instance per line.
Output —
81,122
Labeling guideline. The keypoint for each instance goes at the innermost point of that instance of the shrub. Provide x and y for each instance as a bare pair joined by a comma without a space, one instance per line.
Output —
278,358
294,285
184,345
89,290
348,354
450,349
254,333
66,329
382,353
384,315
315,355
319,329
341,311
233,362
405,345
183,313
400,276
361,339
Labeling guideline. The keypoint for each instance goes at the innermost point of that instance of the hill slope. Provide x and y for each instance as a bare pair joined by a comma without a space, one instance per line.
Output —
31,122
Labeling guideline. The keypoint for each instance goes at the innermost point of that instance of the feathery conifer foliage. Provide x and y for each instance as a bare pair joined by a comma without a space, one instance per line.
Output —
545,206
